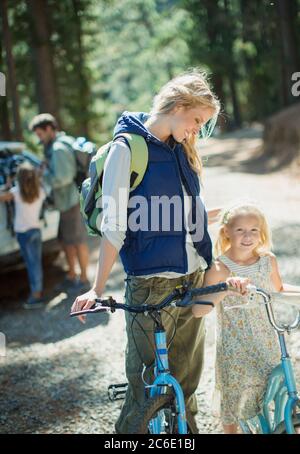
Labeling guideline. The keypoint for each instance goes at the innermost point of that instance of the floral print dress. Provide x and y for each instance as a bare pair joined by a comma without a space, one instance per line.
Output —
247,347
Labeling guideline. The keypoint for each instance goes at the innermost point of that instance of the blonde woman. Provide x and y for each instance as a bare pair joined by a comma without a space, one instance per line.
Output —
28,196
247,347
158,255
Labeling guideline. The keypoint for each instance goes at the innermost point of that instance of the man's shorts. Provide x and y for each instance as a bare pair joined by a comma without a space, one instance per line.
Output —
71,229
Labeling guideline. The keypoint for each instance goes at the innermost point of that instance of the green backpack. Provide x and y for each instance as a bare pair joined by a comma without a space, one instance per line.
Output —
91,189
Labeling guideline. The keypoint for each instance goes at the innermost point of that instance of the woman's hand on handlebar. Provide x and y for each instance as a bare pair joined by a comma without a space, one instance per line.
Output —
83,302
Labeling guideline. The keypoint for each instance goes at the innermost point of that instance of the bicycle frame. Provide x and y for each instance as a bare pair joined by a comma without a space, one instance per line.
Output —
281,389
164,379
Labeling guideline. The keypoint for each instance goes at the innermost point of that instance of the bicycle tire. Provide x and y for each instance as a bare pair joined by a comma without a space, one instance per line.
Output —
281,429
149,410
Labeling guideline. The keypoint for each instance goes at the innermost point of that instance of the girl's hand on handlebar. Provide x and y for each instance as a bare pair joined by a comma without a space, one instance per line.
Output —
238,284
83,302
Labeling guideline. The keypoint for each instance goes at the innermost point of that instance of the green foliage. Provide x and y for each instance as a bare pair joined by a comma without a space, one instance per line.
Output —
112,55
141,48
241,42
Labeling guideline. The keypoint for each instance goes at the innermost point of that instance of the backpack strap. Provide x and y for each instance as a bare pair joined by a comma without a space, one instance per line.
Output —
139,157
65,140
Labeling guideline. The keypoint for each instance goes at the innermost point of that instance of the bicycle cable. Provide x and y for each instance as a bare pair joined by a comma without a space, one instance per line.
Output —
145,368
137,349
134,319
174,328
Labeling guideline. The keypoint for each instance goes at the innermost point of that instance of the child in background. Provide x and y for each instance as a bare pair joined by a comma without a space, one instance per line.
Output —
28,196
247,346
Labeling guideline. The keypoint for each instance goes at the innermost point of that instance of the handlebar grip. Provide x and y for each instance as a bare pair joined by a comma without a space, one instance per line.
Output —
205,303
249,288
92,310
222,287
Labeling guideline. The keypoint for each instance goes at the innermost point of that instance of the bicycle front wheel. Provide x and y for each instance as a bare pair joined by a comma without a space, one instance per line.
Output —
164,407
281,429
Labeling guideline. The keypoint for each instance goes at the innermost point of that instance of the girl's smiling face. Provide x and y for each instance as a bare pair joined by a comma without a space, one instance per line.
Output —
244,232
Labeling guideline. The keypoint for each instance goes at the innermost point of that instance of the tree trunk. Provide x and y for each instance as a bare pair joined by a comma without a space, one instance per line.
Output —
218,88
5,132
288,48
234,100
247,20
228,39
11,76
79,61
42,55
217,30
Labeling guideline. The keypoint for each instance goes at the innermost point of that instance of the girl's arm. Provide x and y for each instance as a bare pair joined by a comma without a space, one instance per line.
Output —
213,215
277,281
6,197
216,274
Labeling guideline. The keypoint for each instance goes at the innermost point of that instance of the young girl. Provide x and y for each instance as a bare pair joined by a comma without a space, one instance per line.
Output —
247,347
28,196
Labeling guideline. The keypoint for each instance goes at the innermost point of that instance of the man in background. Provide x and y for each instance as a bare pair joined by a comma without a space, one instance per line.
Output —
60,174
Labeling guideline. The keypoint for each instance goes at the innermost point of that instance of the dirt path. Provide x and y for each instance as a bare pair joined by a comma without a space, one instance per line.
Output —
56,371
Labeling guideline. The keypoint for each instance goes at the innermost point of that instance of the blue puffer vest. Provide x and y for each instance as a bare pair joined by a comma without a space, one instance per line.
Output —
156,251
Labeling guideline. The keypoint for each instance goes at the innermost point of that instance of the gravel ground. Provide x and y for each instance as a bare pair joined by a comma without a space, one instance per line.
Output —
56,371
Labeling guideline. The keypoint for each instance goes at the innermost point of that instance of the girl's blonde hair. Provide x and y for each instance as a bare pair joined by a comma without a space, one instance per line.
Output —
189,90
227,219
29,183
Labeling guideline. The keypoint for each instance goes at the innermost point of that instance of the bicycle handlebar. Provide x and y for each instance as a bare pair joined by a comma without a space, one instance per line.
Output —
182,293
182,296
268,298
281,328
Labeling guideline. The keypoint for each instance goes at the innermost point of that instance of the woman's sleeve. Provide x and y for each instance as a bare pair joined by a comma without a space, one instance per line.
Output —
115,194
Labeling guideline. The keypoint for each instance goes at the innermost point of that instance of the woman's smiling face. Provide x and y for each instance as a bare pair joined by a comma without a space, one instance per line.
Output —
188,122
244,232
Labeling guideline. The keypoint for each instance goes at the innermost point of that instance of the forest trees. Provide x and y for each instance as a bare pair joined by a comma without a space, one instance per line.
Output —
250,48
87,60
49,57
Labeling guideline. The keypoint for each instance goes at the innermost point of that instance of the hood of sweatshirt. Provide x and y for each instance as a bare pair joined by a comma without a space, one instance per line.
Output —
133,123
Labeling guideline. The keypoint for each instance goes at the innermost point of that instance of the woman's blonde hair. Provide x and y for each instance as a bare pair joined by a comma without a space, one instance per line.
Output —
189,90
29,183
227,219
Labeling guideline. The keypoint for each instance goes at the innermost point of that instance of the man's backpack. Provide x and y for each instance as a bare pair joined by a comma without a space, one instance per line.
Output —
91,189
83,151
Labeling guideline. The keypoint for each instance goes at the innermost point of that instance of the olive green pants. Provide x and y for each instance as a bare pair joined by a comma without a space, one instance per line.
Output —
186,349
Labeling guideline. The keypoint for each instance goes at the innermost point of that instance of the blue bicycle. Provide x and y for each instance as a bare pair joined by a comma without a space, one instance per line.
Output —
281,405
164,410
